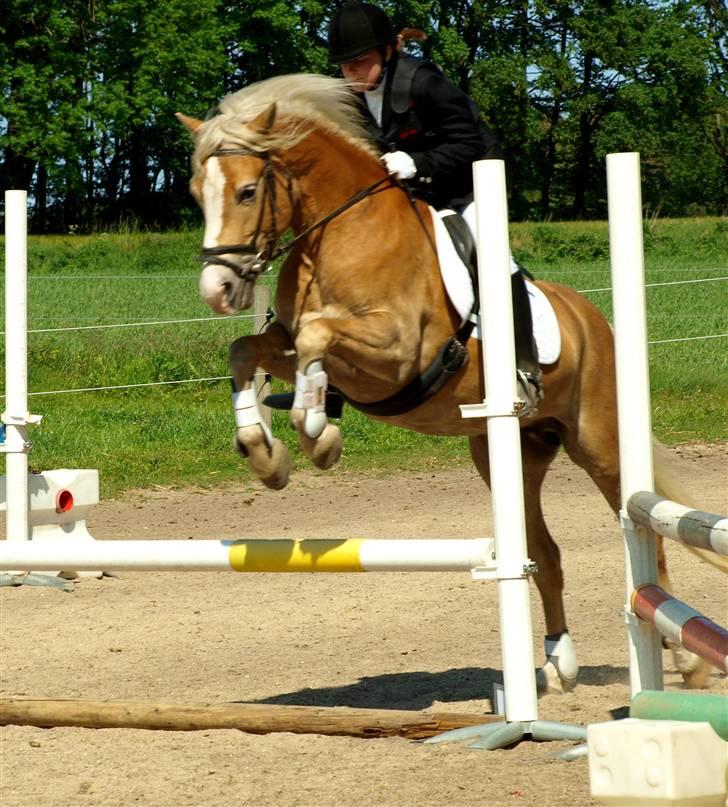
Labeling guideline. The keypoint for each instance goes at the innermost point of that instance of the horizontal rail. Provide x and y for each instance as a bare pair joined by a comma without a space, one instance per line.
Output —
276,555
682,624
696,707
694,527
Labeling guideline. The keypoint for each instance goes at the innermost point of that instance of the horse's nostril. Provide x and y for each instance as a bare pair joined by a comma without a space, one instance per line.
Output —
226,286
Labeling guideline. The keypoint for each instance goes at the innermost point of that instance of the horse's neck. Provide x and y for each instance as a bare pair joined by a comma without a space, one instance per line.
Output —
345,258
330,171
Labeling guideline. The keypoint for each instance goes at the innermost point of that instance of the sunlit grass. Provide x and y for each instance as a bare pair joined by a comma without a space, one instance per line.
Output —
181,434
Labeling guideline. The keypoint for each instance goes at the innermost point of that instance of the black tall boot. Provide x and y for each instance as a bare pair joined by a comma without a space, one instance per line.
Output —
528,370
284,400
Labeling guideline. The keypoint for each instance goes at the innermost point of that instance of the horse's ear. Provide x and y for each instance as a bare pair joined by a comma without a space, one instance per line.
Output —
192,124
264,122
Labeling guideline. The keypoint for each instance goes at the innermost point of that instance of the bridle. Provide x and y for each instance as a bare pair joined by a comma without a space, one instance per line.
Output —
263,257
260,257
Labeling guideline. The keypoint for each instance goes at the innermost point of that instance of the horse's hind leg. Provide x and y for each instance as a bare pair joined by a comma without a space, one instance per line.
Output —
273,350
538,450
694,670
597,453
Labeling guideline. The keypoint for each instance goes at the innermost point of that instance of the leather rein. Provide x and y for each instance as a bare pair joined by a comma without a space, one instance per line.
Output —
263,257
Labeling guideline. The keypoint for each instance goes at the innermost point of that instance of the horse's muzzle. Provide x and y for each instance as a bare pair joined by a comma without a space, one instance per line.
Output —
224,290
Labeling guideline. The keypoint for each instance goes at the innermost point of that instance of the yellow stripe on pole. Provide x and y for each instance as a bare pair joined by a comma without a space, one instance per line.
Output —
307,555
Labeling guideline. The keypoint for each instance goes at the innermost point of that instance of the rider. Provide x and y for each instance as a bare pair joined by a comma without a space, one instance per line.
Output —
429,132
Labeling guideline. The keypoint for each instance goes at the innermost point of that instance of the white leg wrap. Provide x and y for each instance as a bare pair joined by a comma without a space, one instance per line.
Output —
559,672
247,413
562,654
311,396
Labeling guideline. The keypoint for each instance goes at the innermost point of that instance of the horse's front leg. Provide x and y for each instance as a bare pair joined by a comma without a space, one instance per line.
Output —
272,350
321,441
365,342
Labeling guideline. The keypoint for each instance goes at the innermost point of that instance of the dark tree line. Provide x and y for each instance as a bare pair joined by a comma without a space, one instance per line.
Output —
89,90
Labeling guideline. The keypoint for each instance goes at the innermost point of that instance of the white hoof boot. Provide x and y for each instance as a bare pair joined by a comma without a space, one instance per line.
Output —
558,675
311,397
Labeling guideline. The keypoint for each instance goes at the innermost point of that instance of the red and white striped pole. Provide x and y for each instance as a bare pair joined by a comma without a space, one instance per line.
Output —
682,624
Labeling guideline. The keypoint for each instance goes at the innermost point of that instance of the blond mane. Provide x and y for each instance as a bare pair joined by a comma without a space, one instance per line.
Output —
304,101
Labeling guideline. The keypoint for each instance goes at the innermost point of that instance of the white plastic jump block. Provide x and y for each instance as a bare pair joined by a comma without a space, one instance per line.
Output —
59,502
657,763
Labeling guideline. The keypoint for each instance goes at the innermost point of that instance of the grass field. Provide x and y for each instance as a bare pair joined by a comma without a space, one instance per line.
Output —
177,434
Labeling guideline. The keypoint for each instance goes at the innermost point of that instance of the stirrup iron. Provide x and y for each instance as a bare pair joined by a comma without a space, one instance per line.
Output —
531,391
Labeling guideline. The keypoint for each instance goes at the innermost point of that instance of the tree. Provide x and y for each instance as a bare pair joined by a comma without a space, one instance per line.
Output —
42,79
152,60
89,90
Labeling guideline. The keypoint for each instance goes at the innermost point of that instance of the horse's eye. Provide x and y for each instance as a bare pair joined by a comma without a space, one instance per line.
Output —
246,194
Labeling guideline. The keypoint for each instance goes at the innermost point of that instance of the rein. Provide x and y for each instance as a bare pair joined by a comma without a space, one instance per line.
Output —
264,257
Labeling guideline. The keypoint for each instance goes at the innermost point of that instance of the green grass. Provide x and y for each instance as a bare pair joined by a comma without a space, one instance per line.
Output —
181,434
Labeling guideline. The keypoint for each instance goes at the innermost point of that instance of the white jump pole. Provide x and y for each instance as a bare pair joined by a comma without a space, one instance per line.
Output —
15,417
633,404
258,555
504,442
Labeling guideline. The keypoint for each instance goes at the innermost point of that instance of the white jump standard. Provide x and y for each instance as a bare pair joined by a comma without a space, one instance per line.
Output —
652,761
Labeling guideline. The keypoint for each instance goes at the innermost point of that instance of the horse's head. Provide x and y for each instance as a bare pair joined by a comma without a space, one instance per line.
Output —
244,187
245,196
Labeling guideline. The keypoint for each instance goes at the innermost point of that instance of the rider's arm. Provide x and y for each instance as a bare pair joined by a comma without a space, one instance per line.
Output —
446,112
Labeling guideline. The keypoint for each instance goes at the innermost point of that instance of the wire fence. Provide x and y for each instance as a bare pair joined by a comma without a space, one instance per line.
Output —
214,379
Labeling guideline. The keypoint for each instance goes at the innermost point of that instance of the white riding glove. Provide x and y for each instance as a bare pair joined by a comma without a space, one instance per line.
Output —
399,164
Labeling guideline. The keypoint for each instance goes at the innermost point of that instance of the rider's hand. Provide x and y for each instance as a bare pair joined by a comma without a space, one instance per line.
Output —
399,164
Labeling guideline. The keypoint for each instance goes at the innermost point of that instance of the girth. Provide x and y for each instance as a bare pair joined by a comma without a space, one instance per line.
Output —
452,356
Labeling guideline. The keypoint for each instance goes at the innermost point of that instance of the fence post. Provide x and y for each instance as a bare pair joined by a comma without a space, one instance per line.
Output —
504,440
261,304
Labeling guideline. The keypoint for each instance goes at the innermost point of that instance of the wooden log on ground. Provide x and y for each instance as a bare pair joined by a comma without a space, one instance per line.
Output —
254,718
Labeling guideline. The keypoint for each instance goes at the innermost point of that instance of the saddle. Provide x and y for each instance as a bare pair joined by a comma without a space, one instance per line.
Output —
528,370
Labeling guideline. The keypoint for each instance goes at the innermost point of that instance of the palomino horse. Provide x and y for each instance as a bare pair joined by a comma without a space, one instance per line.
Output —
360,302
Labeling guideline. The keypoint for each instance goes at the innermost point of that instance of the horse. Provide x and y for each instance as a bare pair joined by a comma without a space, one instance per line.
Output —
361,305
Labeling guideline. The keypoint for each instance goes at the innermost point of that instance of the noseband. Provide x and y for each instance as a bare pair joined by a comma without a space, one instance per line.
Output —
263,258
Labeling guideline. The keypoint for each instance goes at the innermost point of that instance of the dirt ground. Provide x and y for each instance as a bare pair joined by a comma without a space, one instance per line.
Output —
401,641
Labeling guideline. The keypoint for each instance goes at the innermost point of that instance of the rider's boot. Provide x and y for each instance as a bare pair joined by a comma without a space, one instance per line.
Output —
528,371
284,400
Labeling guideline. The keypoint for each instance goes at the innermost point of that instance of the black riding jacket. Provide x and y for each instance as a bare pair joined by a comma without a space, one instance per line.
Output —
438,125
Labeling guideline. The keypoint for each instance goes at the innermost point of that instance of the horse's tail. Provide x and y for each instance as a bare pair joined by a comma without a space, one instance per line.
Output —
670,485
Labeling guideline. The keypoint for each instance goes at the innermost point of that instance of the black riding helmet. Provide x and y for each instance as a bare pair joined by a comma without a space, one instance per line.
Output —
356,28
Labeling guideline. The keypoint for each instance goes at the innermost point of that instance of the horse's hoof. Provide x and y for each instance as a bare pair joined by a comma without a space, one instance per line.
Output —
328,447
280,462
697,679
271,464
694,670
549,682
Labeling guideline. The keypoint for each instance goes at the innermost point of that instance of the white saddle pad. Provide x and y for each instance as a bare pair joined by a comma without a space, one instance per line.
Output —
459,287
